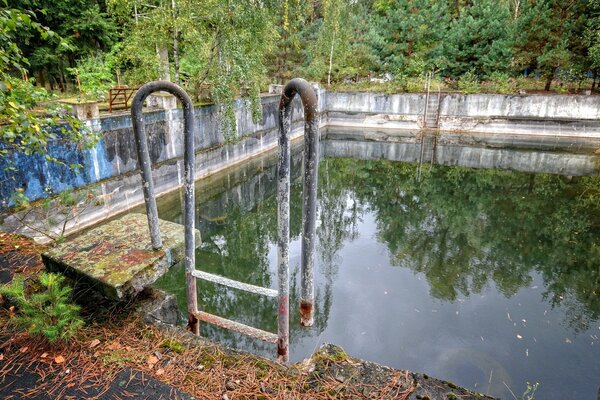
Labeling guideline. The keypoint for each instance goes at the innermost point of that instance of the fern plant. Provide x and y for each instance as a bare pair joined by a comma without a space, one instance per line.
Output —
44,306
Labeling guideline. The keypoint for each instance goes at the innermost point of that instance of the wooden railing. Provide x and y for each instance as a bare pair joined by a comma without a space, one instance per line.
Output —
120,96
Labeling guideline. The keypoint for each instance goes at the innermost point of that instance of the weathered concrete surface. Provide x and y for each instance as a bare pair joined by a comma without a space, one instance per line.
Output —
364,379
571,116
117,257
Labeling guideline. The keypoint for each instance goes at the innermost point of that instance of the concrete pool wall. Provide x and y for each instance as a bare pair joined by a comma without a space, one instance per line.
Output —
550,123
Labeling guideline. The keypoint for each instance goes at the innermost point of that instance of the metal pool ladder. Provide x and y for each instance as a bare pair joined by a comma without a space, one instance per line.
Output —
311,160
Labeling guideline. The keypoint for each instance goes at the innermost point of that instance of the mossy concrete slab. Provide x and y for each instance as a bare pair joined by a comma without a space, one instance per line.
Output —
117,257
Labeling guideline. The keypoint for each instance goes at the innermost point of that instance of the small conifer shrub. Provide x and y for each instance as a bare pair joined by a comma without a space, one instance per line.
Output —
44,306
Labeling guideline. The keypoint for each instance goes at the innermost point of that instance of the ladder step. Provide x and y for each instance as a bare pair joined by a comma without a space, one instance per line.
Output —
237,327
235,284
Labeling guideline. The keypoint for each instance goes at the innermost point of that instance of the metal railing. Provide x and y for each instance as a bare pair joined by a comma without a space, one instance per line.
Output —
148,184
309,207
311,160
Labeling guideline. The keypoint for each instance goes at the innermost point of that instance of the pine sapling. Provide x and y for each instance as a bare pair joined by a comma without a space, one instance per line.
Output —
44,306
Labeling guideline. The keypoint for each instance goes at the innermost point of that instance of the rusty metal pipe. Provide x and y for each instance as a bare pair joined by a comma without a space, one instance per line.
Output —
309,206
148,183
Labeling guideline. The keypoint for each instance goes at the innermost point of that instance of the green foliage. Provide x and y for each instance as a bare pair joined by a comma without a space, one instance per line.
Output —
27,127
407,30
94,76
44,306
82,28
479,40
208,45
468,83
502,83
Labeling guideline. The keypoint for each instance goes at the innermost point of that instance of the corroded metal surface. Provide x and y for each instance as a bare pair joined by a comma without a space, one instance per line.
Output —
221,280
117,257
309,207
237,327
148,185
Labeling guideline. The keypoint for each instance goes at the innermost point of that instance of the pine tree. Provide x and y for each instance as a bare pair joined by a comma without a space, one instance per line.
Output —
44,306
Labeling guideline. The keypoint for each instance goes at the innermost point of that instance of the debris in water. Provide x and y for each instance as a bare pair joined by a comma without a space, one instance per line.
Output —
519,337
567,340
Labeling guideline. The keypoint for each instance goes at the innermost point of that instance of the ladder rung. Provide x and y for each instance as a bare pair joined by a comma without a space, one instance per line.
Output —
234,284
237,327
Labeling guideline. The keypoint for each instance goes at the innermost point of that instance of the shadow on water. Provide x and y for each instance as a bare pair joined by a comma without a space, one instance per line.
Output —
486,277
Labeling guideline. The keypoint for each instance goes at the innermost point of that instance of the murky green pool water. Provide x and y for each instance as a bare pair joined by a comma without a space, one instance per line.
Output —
487,278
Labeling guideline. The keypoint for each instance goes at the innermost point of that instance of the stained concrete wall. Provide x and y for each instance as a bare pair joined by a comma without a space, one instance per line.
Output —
576,116
115,154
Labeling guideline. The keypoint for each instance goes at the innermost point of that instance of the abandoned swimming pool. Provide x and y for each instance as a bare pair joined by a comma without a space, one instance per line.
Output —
485,277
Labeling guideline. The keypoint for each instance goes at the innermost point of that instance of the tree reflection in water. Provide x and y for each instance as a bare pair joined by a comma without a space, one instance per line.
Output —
463,229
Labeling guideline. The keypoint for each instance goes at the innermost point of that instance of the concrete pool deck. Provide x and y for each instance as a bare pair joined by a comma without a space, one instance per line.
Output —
117,257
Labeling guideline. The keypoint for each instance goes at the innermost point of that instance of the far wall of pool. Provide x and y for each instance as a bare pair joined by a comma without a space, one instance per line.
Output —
552,123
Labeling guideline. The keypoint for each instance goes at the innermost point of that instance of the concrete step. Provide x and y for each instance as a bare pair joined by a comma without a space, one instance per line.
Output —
117,257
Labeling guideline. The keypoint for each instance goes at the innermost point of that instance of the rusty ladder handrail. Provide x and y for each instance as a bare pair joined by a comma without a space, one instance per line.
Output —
311,160
137,118
309,207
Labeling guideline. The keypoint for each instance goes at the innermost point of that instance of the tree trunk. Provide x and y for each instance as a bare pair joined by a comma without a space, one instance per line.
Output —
176,55
40,80
331,60
163,59
548,82
175,43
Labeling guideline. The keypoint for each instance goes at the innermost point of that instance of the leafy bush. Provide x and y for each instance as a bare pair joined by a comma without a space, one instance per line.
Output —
94,76
468,83
44,306
502,83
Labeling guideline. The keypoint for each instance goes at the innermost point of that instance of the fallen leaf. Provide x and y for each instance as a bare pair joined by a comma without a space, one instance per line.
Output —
114,346
24,349
160,371
152,360
1,357
94,343
59,359
44,355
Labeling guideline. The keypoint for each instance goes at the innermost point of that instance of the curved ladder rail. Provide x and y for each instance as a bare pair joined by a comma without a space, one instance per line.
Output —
148,183
309,207
311,159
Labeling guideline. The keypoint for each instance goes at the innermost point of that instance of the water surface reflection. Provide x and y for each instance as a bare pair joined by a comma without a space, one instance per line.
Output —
488,278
